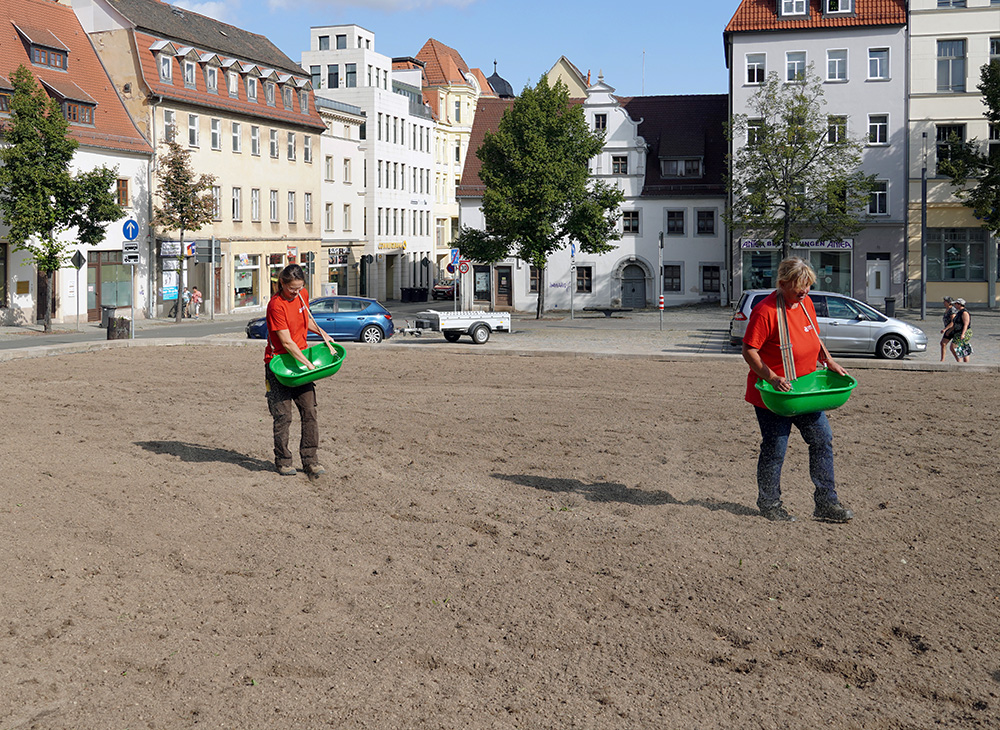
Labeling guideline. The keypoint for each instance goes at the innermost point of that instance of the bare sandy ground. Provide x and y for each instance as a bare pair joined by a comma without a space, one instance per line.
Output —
500,542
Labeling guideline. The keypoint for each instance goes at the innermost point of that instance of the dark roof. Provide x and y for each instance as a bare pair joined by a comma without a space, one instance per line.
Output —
500,85
174,23
682,126
673,126
757,15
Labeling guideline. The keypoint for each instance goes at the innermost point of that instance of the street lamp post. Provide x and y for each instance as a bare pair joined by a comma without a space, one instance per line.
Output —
659,275
923,232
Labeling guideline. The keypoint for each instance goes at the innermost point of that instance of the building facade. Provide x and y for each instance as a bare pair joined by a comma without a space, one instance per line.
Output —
398,154
950,40
245,112
858,48
47,38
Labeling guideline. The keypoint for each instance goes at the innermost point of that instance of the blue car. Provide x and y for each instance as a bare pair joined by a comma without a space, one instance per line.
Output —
343,318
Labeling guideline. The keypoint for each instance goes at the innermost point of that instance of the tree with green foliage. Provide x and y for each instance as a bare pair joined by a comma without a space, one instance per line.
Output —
539,195
967,162
187,204
41,201
794,171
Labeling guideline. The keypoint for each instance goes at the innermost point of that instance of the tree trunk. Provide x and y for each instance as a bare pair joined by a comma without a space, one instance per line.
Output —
46,298
540,305
181,279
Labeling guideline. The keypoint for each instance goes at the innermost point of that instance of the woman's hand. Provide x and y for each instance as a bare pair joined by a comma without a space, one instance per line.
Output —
779,383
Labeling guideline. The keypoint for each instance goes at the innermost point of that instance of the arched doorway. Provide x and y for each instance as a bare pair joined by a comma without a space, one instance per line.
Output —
634,287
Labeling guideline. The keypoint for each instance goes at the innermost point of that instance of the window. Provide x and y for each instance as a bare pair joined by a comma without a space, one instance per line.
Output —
169,125
274,143
307,207
756,68
189,69
600,122
956,254
287,98
951,3
341,42
458,111
251,88
328,170
48,57
237,204
793,7
534,279
949,138
237,131
216,127
291,207
706,222
878,64
316,75
274,206
303,102
795,65
878,199
619,165
347,216
234,84
878,129
584,279
270,89
675,223
324,42
122,193
837,6
307,148
255,204
328,218
755,128
711,279
347,169
836,129
255,141
350,75
951,66
4,107
216,203
671,277
995,47
166,68
291,145
212,79
333,76
630,221
836,65
681,167
993,146
193,130
458,150
77,113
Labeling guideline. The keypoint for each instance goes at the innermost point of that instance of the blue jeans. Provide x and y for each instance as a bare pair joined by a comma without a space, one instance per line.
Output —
774,430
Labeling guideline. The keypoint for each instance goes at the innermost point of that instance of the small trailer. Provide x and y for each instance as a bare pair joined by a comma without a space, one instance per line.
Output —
477,325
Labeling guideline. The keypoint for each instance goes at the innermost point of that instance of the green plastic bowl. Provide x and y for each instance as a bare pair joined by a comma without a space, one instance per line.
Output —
820,390
292,373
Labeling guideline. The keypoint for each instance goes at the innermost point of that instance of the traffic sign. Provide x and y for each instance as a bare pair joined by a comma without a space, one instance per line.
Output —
78,260
130,247
463,268
203,250
450,268
130,259
455,256
131,229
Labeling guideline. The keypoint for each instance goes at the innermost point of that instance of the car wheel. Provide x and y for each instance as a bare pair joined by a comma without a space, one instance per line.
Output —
891,347
480,334
452,336
371,334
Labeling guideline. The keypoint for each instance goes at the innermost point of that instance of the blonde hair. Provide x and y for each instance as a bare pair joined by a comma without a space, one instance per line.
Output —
797,272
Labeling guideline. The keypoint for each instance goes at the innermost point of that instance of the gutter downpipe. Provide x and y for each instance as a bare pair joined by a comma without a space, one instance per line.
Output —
151,267
906,163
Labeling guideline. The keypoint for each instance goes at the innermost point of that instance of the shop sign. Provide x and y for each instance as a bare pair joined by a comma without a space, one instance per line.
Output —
392,246
244,259
810,243
170,248
293,254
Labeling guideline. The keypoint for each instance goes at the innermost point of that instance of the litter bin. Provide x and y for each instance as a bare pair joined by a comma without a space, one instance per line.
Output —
107,314
421,294
890,306
119,328
406,293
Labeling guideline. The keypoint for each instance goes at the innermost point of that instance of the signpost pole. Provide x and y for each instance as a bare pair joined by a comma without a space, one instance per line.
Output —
211,282
131,321
78,293
659,274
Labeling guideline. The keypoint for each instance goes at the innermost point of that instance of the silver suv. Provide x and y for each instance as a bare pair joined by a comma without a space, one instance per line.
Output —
845,326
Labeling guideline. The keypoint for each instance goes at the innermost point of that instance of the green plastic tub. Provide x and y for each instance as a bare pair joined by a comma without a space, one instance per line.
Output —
820,390
292,373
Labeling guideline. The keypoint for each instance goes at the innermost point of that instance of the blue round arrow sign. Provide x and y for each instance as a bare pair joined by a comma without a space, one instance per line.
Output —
131,230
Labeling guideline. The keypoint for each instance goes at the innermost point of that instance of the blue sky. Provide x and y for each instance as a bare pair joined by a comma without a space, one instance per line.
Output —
682,40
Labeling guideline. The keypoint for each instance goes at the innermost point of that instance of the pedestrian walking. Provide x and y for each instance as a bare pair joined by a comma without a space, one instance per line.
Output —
196,301
947,319
961,333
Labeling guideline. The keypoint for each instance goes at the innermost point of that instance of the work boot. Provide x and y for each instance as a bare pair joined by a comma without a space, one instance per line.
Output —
287,471
777,514
832,512
314,470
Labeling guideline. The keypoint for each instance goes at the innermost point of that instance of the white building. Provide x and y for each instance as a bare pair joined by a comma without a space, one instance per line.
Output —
950,40
858,48
398,154
667,155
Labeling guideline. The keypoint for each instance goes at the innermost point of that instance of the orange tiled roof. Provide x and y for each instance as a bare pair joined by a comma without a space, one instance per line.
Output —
757,15
443,65
200,96
489,112
484,86
84,79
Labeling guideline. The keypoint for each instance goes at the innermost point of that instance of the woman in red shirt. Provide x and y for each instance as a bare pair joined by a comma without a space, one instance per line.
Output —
762,352
288,324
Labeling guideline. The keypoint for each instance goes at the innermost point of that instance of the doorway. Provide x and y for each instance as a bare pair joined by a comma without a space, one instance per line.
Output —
877,279
504,288
634,287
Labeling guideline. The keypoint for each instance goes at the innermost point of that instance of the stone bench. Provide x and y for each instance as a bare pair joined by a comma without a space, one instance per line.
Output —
607,311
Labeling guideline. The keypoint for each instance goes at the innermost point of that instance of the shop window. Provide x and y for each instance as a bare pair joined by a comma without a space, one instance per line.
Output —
246,278
956,254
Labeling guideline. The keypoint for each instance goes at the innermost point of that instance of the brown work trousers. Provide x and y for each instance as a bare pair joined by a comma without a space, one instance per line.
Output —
280,400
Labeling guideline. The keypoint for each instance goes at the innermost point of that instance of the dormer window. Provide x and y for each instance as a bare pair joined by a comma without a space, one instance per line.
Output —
189,71
832,7
4,101
681,167
212,79
286,97
48,57
269,92
793,7
166,68
303,101
251,88
78,113
234,84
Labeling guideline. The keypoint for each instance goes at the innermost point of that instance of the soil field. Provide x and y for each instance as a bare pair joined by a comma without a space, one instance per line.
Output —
499,542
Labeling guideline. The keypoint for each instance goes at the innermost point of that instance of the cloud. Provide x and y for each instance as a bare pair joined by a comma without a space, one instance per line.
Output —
389,6
226,11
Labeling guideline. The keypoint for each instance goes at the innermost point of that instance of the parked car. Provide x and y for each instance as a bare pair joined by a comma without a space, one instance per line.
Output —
444,290
845,326
343,318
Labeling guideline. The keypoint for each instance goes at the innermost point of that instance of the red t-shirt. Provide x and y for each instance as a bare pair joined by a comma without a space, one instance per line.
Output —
286,315
762,335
